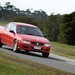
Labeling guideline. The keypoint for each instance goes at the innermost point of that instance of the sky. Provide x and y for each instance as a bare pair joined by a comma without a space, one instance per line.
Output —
49,6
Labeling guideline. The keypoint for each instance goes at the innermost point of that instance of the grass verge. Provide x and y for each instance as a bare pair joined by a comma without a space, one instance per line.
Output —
63,50
12,65
3,23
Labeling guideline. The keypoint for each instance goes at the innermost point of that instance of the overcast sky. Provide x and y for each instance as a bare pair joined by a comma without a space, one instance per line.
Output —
49,6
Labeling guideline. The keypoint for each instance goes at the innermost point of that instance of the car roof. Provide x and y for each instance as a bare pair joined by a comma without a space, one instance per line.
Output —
23,24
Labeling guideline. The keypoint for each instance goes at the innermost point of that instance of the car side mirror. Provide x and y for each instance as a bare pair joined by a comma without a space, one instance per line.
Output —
45,35
12,31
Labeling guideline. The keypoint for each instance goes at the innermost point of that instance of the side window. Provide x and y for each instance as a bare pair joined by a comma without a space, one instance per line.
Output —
8,27
13,27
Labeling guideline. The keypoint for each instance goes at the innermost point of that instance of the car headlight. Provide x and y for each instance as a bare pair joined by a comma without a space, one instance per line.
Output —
25,42
47,45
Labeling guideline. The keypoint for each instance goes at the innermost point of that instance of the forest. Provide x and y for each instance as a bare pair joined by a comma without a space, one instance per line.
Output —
58,28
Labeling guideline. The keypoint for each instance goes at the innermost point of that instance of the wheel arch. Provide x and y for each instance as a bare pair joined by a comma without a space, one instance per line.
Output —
14,40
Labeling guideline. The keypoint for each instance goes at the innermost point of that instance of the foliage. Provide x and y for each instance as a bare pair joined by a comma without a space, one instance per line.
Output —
67,29
8,11
24,19
52,24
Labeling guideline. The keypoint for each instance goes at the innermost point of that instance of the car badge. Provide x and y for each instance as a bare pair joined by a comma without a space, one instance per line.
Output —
37,44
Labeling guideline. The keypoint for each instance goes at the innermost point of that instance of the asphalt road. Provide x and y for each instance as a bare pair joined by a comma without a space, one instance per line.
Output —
55,61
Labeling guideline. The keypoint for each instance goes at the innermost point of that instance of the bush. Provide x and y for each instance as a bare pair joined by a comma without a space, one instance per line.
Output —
67,29
23,19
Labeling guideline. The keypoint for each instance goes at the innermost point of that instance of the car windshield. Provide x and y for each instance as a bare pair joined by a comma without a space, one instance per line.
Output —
29,30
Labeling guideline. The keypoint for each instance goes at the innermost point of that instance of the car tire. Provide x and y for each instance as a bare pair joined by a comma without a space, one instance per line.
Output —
15,47
26,51
45,55
0,44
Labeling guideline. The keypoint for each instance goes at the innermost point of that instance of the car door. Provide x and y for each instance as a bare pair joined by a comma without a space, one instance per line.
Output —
7,36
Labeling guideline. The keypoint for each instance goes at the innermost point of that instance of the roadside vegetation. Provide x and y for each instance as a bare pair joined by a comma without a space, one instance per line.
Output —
3,23
63,50
12,65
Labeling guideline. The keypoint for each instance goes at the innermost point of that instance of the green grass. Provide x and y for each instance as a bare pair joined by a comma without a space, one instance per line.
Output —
12,65
63,49
3,23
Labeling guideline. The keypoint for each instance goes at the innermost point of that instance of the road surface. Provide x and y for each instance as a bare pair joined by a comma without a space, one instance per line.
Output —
53,60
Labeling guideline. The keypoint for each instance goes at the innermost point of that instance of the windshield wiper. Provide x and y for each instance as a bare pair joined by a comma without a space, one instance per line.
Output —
40,35
29,33
34,34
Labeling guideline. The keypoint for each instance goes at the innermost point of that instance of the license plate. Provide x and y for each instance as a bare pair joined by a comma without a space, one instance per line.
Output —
37,47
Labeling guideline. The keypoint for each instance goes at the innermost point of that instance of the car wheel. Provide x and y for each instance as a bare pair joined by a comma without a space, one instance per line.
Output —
0,44
26,51
15,47
45,55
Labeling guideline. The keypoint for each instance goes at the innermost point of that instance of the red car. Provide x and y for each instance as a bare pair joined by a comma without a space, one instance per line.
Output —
22,36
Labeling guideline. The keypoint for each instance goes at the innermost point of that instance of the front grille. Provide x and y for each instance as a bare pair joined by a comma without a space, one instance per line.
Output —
26,46
38,44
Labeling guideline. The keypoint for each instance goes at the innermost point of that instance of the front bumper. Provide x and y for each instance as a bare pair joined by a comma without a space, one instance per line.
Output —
32,47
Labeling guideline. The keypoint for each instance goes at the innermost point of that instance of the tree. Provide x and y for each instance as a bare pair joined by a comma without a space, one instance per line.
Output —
53,22
39,15
8,12
1,10
67,29
24,19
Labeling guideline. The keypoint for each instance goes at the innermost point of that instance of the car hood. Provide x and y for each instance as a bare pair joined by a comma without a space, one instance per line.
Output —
33,38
